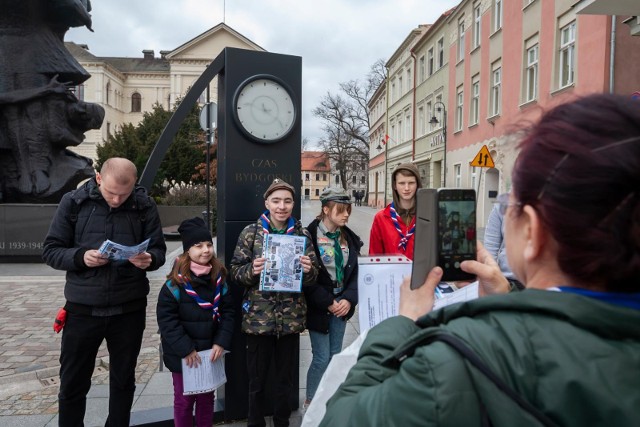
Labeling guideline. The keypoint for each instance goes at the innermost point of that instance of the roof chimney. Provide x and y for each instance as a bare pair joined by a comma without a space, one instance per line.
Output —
148,53
164,53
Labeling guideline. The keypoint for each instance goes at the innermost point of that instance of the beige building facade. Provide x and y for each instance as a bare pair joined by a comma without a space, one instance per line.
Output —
400,108
128,87
431,99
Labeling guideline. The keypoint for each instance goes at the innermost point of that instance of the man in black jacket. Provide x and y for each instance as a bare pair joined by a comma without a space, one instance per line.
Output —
106,299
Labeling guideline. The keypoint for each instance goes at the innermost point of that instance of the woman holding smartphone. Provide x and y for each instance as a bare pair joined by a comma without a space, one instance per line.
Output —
331,301
566,350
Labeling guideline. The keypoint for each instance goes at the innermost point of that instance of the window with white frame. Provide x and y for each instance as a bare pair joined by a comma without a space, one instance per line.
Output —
461,39
78,91
496,89
392,134
136,102
421,69
438,104
477,16
472,177
409,80
400,131
531,72
421,126
393,90
429,115
457,175
459,107
567,54
497,15
430,63
407,125
440,52
475,100
400,88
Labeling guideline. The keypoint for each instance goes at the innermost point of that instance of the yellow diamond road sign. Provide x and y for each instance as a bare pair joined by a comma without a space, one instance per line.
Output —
483,159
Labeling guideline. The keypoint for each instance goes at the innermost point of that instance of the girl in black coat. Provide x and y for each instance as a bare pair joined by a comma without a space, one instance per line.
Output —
331,301
195,313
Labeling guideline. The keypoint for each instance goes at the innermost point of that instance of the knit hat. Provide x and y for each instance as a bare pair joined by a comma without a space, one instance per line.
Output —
334,195
278,184
407,169
193,231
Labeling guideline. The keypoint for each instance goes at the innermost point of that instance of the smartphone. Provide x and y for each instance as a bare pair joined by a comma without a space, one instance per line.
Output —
456,231
445,233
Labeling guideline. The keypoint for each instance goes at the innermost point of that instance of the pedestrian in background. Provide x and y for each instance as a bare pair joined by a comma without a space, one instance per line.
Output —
494,243
393,228
195,312
271,321
332,299
566,350
106,300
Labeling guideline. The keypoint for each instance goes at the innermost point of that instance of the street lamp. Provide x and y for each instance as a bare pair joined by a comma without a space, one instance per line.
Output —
440,107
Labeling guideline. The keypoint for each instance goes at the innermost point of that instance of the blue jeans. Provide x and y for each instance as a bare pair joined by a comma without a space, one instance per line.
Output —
323,347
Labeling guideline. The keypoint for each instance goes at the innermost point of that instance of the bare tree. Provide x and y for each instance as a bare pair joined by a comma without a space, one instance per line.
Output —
305,144
346,121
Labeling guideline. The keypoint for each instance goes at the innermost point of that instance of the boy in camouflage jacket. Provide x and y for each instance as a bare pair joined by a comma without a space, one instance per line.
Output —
271,321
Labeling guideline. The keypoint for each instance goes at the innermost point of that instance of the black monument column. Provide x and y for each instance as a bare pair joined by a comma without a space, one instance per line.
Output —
259,136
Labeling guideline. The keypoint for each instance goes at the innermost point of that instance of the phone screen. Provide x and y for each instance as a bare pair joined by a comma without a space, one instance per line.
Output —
456,231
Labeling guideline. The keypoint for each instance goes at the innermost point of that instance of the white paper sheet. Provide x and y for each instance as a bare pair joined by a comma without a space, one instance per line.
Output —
379,280
206,377
465,293
117,252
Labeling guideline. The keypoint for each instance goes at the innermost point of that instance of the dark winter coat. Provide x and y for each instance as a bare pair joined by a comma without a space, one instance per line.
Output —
83,221
320,294
185,327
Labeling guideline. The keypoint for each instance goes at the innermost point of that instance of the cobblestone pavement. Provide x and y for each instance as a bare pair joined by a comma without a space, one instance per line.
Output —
29,347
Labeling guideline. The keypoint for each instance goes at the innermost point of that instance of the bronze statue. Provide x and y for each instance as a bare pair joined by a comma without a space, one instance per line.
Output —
40,115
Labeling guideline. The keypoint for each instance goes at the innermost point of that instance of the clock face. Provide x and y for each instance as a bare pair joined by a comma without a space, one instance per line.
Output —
264,109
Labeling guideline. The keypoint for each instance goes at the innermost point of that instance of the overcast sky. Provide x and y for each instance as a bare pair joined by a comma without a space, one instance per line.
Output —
338,40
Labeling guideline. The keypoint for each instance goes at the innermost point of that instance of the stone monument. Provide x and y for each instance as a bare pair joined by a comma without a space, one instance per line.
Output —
40,115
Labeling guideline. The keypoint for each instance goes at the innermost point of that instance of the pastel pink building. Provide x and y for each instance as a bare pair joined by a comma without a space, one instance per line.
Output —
510,60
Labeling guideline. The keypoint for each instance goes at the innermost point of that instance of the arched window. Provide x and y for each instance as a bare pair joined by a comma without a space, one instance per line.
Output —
107,90
136,102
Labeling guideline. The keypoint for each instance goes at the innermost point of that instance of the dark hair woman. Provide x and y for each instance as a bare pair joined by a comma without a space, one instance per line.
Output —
566,350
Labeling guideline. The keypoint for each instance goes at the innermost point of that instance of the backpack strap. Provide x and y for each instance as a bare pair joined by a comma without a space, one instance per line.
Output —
467,353
74,209
175,290
73,213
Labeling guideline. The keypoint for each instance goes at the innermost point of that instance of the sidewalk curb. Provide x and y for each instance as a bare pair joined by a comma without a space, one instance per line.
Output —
26,382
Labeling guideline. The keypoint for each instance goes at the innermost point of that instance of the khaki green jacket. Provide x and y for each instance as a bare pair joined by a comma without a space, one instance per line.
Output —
269,313
575,358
